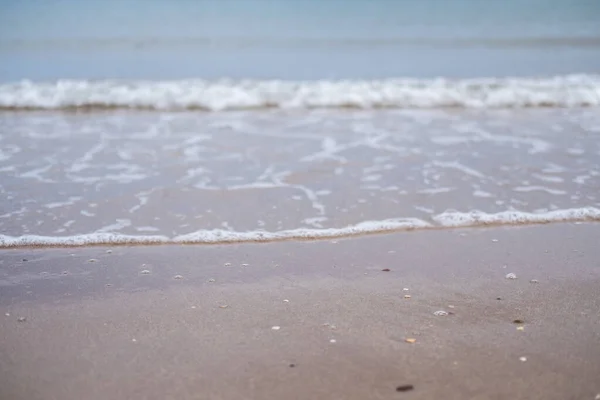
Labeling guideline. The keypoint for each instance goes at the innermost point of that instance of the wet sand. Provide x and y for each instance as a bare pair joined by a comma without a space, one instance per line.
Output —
113,328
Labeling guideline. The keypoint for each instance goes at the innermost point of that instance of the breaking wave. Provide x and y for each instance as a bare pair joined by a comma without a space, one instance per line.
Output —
221,95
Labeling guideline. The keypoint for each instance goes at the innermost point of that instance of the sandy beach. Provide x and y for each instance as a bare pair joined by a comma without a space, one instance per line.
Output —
308,319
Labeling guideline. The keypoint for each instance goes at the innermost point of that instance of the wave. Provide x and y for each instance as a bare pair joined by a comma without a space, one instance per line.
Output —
449,219
196,94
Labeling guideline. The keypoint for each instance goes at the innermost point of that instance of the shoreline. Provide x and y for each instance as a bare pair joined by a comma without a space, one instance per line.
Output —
218,237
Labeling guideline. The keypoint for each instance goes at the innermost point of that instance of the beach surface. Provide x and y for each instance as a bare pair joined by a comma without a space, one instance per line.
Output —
308,319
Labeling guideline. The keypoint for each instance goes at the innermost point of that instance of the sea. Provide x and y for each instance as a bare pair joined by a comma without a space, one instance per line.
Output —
155,121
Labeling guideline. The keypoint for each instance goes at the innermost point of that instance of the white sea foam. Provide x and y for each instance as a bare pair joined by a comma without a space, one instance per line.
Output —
539,189
445,220
215,236
79,240
513,217
481,193
558,91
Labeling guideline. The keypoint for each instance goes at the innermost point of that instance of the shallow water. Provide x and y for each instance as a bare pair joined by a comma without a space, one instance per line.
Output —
258,175
292,40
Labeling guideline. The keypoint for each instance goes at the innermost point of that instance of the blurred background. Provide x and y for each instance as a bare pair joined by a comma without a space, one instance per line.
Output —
296,39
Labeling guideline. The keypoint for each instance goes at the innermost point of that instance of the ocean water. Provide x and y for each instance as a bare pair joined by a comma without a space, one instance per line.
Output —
296,40
251,120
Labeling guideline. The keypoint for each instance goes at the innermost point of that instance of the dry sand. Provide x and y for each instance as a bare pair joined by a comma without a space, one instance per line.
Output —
106,329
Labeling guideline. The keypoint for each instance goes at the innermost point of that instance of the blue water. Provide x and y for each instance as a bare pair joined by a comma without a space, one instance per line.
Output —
296,39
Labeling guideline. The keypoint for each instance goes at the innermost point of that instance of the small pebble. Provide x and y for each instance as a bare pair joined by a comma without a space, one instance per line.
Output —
450,306
520,328
523,359
495,240
65,272
511,276
332,341
22,319
597,397
226,306
534,281
407,296
227,264
108,285
245,265
178,277
406,289
193,306
108,251
7,314
211,280
404,388
410,340
518,321
145,272
440,313
286,301
276,328
386,270
134,340
292,365
24,260
498,298
92,260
